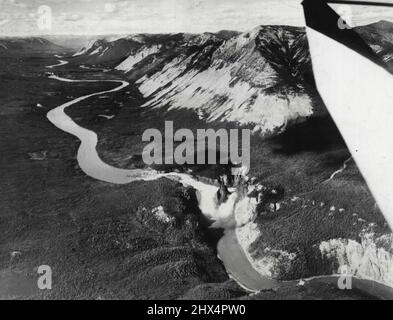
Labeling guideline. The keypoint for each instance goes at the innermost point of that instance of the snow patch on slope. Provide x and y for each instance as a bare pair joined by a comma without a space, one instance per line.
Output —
96,51
133,59
161,215
85,49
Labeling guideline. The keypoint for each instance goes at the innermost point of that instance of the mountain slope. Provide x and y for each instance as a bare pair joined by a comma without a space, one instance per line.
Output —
104,51
235,80
25,45
262,78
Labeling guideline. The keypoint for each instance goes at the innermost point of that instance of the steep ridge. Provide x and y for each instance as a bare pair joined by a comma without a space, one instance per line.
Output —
112,52
228,76
262,78
109,52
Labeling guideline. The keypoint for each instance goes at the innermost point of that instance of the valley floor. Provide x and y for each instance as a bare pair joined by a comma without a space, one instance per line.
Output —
101,240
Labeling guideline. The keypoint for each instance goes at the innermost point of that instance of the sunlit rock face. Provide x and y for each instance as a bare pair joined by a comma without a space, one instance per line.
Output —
259,78
369,258
238,80
134,59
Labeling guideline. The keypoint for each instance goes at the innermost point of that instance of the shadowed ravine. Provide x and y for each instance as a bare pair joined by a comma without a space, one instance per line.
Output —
229,250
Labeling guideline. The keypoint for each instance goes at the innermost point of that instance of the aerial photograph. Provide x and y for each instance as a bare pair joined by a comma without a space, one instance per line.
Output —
215,150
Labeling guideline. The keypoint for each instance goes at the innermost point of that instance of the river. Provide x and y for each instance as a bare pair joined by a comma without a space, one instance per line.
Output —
229,250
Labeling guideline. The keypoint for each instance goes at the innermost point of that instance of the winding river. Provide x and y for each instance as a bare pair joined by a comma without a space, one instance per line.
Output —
61,63
229,250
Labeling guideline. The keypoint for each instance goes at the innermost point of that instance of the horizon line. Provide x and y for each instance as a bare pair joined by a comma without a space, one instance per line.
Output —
156,33
125,33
